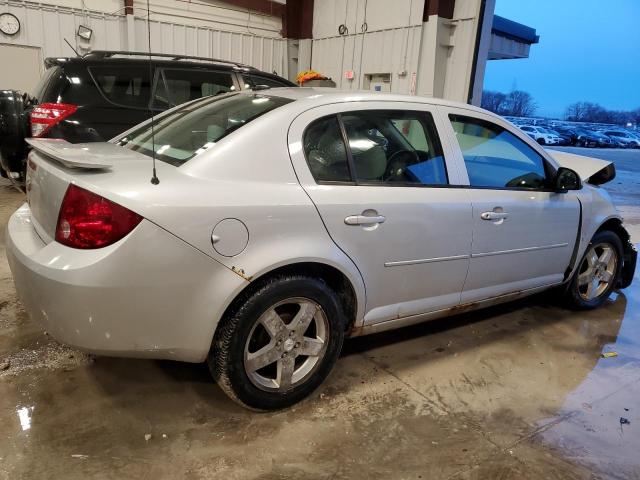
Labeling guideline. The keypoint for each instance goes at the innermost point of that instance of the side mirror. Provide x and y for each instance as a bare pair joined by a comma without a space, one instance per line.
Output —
567,179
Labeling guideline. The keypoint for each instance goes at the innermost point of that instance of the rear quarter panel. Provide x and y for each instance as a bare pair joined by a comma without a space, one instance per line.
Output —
247,176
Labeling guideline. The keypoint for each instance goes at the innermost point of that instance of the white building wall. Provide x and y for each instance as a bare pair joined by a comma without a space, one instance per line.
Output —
196,32
210,14
438,53
389,43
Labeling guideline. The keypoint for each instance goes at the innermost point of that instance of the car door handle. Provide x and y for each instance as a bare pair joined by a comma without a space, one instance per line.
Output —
364,220
494,215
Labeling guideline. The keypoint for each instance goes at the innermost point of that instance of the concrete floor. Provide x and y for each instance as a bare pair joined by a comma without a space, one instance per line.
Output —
516,391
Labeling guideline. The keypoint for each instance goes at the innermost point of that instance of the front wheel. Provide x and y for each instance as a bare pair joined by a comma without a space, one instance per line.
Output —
598,272
280,343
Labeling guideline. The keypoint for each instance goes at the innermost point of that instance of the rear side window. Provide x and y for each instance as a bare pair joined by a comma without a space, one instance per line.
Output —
495,158
385,147
185,85
126,86
196,126
253,81
325,151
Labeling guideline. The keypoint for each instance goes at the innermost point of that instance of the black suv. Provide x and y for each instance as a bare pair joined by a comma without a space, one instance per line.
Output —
103,93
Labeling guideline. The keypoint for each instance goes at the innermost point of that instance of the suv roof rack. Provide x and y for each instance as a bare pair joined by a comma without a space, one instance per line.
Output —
170,56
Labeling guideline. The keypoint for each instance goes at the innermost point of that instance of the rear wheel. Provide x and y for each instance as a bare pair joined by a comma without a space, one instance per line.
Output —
13,130
280,344
598,272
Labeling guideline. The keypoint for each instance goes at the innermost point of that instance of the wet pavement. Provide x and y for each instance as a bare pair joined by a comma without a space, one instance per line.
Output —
516,391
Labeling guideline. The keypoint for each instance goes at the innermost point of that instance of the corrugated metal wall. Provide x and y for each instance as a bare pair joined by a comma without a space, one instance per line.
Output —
265,53
46,26
382,37
388,51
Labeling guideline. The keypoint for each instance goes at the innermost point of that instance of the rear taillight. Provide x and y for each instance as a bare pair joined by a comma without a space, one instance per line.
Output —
88,220
46,115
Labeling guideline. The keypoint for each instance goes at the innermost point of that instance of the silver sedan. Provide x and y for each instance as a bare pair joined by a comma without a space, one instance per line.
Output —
257,230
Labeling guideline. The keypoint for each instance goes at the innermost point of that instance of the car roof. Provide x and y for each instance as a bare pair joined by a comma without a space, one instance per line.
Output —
105,57
316,96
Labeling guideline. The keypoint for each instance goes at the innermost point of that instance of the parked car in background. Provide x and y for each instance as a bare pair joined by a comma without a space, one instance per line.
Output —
541,135
277,210
567,131
585,138
624,139
103,93
565,139
603,140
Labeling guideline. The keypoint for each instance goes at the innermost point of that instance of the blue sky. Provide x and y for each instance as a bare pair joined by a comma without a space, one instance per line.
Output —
589,50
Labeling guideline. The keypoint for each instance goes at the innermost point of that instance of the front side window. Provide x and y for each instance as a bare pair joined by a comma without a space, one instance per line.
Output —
495,158
197,126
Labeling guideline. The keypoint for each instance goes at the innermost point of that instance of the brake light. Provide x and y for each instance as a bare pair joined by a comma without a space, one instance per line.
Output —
46,115
88,220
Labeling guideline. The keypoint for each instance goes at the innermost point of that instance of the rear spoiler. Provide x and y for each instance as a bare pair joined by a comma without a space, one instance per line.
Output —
591,170
92,156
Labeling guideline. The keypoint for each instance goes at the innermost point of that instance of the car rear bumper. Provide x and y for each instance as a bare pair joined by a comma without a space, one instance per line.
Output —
149,295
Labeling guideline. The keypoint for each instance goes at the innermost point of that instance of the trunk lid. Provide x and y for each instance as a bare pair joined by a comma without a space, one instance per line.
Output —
106,169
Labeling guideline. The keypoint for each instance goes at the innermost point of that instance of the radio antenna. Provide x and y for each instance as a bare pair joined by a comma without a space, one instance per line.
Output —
154,178
71,47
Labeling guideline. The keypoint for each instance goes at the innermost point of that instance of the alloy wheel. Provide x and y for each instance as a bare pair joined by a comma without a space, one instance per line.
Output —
286,344
597,271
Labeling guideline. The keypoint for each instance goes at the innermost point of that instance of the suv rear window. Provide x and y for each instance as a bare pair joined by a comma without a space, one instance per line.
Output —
124,86
196,126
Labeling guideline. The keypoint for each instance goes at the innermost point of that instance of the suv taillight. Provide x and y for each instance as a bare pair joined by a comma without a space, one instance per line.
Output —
88,220
46,115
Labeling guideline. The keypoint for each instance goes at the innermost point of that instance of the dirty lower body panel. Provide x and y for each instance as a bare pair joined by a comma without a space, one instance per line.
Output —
521,390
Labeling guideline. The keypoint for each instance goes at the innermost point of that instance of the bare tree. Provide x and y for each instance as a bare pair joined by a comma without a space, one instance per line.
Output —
520,104
575,112
592,112
493,101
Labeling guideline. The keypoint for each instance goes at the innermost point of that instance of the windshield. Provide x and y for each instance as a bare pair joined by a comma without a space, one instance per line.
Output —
197,126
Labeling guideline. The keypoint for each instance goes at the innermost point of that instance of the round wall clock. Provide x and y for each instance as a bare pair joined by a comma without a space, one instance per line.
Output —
9,24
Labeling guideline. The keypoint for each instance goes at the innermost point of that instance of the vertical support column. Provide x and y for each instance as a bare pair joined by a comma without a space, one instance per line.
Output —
297,28
434,47
454,48
483,43
131,26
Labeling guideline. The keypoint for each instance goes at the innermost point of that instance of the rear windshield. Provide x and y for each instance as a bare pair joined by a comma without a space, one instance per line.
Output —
198,125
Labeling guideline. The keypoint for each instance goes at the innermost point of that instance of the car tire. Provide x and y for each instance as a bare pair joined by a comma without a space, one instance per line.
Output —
541,141
263,321
588,288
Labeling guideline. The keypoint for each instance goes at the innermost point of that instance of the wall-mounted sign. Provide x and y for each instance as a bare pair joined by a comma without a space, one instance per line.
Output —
348,75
